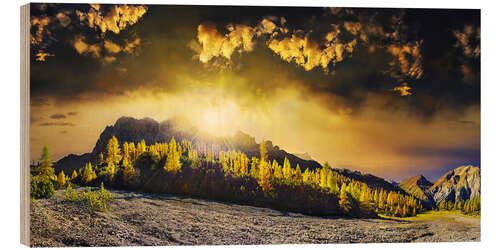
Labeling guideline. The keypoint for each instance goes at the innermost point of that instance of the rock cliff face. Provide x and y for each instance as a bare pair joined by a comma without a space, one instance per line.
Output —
458,184
461,183
304,156
128,129
418,186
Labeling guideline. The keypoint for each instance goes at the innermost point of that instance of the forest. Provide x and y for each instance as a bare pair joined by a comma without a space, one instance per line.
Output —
208,171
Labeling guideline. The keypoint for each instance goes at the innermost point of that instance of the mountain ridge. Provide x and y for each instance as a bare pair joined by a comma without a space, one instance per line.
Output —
461,183
129,129
418,186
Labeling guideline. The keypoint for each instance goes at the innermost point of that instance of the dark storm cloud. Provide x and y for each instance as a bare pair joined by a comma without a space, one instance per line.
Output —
457,153
47,124
72,113
58,116
72,43
393,57
366,52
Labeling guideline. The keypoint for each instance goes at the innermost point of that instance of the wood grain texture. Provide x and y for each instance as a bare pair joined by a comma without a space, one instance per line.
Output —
25,114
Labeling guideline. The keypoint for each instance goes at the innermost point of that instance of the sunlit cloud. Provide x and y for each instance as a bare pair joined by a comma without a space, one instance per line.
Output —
45,30
83,48
404,89
115,19
346,86
303,51
39,24
41,56
300,48
409,59
214,44
104,51
468,40
112,47
63,19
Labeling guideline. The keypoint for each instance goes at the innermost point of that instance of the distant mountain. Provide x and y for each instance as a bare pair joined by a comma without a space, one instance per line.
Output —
371,180
461,183
418,186
128,129
304,156
457,184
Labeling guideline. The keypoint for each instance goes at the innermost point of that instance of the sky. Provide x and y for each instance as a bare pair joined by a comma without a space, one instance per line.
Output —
391,92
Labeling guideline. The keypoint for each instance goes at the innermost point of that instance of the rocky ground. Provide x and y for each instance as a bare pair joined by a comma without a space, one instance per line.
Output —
145,219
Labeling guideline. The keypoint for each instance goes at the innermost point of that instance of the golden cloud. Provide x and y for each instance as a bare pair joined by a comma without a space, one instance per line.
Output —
267,26
297,47
63,19
293,48
86,49
108,59
115,20
105,50
353,27
409,58
40,23
466,38
404,89
112,47
41,55
130,47
308,54
214,44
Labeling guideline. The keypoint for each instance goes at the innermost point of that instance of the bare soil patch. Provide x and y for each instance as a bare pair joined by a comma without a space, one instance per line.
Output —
149,219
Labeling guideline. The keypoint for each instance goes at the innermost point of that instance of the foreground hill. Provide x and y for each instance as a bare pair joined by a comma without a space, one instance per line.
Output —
135,219
461,183
418,186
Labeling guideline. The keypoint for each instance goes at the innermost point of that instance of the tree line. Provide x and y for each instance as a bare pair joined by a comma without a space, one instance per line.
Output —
470,206
207,171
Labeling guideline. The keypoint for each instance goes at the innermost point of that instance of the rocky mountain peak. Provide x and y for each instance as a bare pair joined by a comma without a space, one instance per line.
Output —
457,184
304,156
423,182
418,186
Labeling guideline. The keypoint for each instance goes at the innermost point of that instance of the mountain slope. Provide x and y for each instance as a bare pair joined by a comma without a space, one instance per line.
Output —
457,184
418,186
128,129
304,156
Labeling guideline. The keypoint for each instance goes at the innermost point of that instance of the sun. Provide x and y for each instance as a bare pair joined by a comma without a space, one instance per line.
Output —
212,118
220,119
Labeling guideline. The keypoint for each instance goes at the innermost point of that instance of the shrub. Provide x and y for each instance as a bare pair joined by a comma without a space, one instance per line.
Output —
70,194
41,187
96,200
